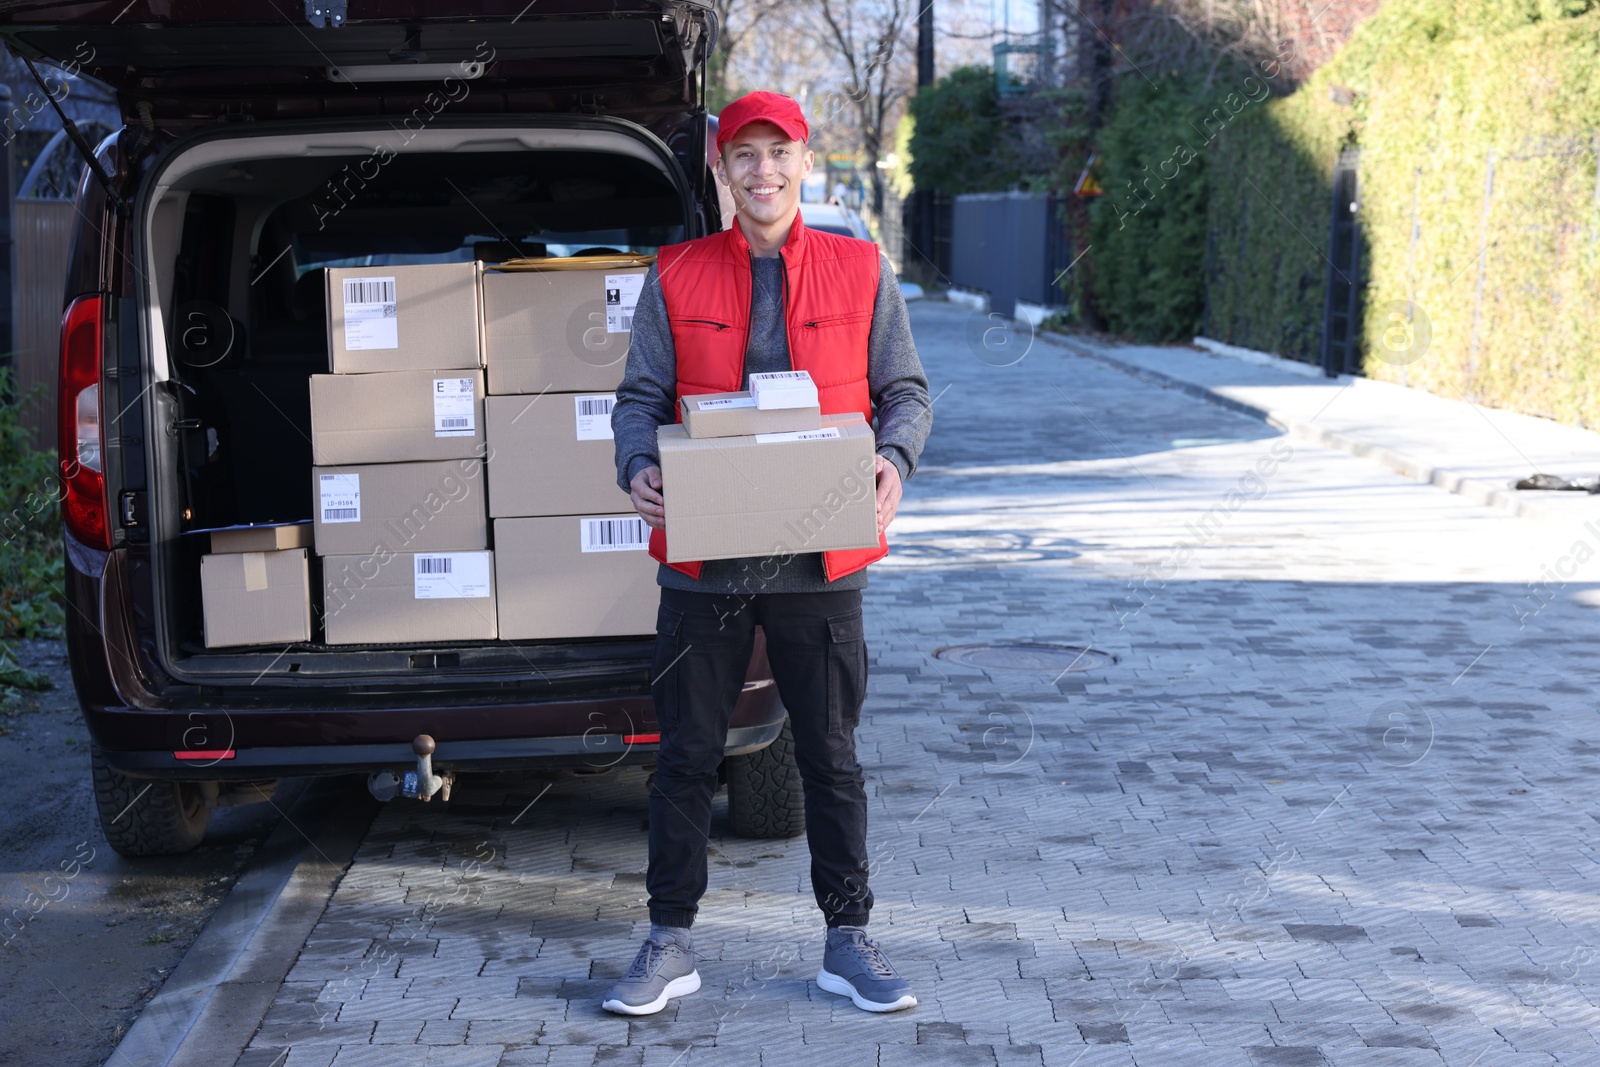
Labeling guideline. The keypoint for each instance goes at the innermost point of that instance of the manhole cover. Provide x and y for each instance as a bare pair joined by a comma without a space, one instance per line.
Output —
1027,657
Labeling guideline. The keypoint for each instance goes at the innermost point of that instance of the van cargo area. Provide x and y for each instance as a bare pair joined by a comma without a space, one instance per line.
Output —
236,233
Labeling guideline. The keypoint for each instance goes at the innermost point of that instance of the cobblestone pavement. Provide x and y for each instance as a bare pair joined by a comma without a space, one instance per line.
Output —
1331,804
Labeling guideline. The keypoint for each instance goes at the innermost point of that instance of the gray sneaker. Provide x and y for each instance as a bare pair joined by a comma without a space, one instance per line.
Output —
854,966
661,971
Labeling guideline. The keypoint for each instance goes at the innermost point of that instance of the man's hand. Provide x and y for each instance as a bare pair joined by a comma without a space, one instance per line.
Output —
646,496
888,492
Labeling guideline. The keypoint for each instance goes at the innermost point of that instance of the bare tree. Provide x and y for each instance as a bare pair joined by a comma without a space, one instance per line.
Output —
870,43
738,19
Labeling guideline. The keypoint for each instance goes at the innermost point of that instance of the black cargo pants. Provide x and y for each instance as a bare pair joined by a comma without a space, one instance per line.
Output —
818,654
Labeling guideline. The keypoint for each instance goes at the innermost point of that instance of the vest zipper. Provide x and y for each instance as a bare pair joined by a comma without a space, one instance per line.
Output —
708,322
744,353
787,340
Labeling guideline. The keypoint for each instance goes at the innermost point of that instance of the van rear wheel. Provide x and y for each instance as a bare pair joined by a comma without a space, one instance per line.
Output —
146,817
765,797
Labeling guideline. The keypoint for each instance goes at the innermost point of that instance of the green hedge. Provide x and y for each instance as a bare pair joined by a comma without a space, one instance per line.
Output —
1436,84
1147,232
30,528
1267,214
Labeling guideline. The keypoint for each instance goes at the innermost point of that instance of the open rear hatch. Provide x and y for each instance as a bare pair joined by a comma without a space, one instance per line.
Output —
195,62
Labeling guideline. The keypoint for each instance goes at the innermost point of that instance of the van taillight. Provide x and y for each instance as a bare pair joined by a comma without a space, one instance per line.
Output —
79,422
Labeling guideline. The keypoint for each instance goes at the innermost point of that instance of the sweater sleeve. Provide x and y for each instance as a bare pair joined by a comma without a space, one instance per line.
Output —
649,385
895,377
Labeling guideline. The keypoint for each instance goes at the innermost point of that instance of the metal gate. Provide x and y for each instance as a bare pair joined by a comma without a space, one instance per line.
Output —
1341,316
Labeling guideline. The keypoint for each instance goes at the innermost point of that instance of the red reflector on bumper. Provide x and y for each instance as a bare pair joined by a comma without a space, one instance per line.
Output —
641,739
215,753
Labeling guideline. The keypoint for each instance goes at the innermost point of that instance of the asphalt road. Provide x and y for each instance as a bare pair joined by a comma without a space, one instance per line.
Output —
90,947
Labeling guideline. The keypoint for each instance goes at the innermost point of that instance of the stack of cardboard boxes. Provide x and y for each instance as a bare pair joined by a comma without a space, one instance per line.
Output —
397,439
571,554
413,456
255,586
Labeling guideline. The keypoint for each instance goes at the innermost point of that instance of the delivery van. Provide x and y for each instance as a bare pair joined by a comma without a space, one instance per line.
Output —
272,148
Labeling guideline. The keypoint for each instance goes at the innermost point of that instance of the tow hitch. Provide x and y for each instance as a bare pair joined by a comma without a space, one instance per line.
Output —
420,784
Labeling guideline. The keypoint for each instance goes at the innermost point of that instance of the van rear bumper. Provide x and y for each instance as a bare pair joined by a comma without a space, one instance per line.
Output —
265,742
594,752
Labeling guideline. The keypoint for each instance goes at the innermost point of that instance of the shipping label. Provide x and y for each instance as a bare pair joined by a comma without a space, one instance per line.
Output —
451,576
828,433
455,409
627,534
622,296
726,403
340,497
594,416
371,315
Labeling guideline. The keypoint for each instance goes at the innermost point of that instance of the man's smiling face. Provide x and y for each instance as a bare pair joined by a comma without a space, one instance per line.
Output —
764,169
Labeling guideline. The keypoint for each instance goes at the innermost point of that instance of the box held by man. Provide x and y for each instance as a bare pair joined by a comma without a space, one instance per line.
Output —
769,494
736,415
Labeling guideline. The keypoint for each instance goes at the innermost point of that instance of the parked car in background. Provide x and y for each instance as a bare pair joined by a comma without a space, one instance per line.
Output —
835,218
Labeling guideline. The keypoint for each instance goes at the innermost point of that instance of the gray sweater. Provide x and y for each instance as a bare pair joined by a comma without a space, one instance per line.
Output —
646,399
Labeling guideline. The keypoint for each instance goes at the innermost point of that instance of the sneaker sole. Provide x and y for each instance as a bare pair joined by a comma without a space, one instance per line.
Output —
678,987
834,984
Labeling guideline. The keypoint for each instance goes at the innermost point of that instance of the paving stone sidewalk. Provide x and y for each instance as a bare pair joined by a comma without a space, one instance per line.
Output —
1332,803
1446,440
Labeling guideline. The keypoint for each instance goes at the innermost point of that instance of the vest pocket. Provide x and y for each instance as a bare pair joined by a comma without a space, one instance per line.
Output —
839,320
702,324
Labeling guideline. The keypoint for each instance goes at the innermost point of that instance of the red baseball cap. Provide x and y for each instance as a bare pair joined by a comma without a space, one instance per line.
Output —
782,111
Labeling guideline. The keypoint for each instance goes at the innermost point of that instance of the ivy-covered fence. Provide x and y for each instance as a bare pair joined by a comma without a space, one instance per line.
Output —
1477,122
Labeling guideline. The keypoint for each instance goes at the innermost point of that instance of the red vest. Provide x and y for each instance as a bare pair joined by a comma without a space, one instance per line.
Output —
830,290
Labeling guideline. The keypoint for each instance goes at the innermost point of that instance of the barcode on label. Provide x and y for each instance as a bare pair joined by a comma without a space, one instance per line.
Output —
624,323
787,374
341,514
455,424
369,290
614,535
433,564
596,405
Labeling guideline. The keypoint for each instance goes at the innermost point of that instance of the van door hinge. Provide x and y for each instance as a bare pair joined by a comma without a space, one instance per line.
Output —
133,509
325,13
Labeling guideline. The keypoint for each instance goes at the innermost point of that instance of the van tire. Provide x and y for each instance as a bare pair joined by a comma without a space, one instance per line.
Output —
765,797
165,819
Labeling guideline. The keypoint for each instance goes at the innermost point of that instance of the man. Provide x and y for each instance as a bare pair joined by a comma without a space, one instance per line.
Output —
766,295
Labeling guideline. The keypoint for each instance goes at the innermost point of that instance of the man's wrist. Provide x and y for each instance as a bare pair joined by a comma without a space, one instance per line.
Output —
893,454
639,463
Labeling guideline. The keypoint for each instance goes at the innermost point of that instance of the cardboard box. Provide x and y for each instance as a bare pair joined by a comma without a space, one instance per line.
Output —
422,317
401,507
256,598
271,538
409,597
552,455
769,494
783,389
736,415
558,330
574,576
396,416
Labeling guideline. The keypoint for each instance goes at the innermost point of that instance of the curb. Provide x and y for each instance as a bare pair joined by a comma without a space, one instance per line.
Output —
214,1001
1481,491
